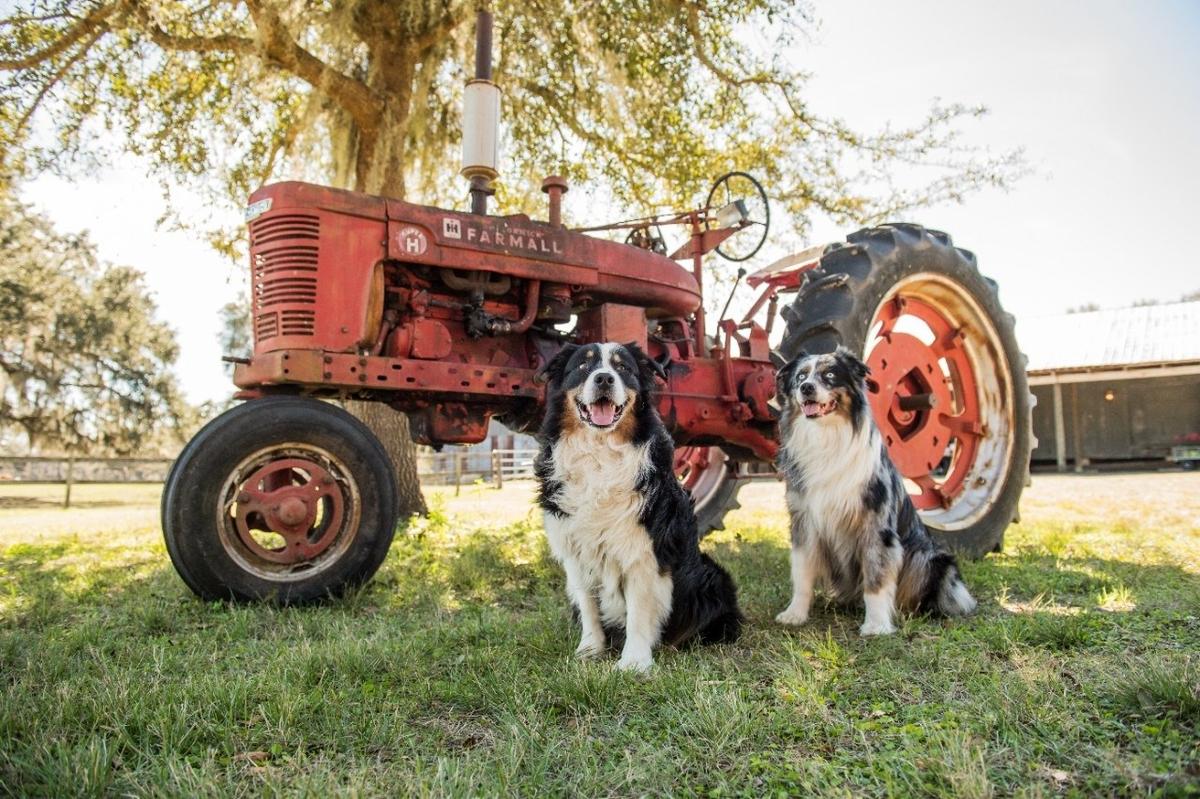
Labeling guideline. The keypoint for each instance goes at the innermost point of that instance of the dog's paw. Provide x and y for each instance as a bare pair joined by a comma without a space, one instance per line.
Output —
635,664
792,617
589,648
877,628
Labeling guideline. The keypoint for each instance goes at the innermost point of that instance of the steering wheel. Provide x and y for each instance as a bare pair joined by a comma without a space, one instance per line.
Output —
738,199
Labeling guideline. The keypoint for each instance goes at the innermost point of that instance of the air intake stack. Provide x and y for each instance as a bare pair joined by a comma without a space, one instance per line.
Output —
481,119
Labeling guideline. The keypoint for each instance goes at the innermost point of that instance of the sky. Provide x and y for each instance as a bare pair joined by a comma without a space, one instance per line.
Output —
1104,98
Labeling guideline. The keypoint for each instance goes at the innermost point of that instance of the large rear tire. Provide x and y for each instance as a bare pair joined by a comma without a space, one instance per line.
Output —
933,331
284,499
710,477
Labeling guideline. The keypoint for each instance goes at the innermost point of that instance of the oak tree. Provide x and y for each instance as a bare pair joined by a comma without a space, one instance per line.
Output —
84,365
645,100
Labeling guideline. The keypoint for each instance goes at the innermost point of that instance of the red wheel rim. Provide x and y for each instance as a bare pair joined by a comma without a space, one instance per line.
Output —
925,400
690,463
702,471
287,511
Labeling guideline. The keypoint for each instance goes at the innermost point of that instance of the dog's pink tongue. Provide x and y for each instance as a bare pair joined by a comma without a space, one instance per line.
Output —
602,413
811,408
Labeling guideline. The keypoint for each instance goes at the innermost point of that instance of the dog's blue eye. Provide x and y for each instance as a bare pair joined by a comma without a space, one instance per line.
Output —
829,375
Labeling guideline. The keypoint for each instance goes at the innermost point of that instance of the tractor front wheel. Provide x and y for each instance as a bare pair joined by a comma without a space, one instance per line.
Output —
284,499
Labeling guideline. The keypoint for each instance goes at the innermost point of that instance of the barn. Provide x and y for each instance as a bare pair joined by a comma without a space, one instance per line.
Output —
1114,386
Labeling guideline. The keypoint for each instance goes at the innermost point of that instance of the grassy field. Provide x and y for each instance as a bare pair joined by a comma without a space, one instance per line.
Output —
451,673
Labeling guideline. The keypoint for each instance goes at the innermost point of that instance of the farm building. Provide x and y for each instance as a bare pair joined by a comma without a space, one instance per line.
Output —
1114,385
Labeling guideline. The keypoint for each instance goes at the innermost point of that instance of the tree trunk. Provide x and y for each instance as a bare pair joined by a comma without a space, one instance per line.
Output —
391,427
375,160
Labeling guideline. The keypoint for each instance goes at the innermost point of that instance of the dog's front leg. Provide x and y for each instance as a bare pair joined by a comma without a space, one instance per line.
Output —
647,605
803,575
592,642
881,568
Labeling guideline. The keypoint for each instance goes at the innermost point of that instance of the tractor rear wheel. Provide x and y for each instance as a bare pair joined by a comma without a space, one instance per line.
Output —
710,476
934,334
285,499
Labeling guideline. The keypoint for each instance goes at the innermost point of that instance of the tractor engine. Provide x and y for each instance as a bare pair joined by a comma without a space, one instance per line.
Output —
444,315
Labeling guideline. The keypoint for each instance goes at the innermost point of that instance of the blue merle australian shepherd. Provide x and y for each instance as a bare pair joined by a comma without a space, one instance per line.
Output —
615,515
853,526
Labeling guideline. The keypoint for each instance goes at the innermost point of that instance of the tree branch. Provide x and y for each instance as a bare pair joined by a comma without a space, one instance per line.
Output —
227,43
276,45
55,78
437,31
93,22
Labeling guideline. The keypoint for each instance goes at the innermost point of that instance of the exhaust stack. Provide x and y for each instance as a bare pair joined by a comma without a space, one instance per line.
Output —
481,119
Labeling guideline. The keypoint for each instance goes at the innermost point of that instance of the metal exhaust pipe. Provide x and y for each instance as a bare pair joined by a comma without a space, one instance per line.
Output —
481,119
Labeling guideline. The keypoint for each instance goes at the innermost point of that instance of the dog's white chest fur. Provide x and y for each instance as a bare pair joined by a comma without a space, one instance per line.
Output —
601,532
599,498
835,464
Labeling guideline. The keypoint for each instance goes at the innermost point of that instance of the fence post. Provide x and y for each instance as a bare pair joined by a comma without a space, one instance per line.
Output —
70,479
458,468
497,469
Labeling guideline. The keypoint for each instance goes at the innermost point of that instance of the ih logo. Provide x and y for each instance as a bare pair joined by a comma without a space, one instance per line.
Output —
412,240
451,228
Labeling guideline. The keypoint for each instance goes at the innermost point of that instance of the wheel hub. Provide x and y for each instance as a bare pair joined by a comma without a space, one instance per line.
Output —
690,463
296,499
923,396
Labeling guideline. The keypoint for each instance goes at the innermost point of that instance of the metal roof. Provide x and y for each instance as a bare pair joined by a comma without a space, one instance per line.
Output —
1117,337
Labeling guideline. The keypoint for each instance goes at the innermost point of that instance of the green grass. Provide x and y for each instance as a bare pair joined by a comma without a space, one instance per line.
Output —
451,673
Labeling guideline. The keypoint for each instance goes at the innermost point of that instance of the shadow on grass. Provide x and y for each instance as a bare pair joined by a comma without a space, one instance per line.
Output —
461,648
444,570
1030,599
48,583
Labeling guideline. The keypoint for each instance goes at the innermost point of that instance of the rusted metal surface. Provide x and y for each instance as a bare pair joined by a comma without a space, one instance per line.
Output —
317,369
289,508
787,273
690,463
434,312
347,226
555,187
612,322
925,398
306,290
706,242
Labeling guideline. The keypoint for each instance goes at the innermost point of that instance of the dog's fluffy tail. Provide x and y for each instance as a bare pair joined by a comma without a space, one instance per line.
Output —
704,607
953,598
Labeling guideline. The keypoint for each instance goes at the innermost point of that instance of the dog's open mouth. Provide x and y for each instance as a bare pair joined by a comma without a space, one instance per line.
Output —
601,413
814,410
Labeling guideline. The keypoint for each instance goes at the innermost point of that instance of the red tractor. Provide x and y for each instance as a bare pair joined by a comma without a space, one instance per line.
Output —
447,316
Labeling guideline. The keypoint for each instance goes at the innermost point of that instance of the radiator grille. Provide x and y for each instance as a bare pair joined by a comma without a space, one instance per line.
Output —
290,226
284,272
266,325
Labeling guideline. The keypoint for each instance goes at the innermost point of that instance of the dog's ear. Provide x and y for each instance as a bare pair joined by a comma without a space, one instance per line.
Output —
858,370
648,368
783,378
552,372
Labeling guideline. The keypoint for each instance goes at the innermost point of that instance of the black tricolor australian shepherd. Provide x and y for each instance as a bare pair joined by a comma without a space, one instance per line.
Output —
853,526
616,516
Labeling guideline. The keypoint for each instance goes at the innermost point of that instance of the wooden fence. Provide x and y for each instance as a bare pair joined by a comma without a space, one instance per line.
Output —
456,467
448,467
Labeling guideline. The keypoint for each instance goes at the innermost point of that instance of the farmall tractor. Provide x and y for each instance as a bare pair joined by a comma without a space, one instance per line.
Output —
448,316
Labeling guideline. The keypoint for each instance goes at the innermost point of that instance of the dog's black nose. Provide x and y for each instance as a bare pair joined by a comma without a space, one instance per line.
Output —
604,380
808,389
